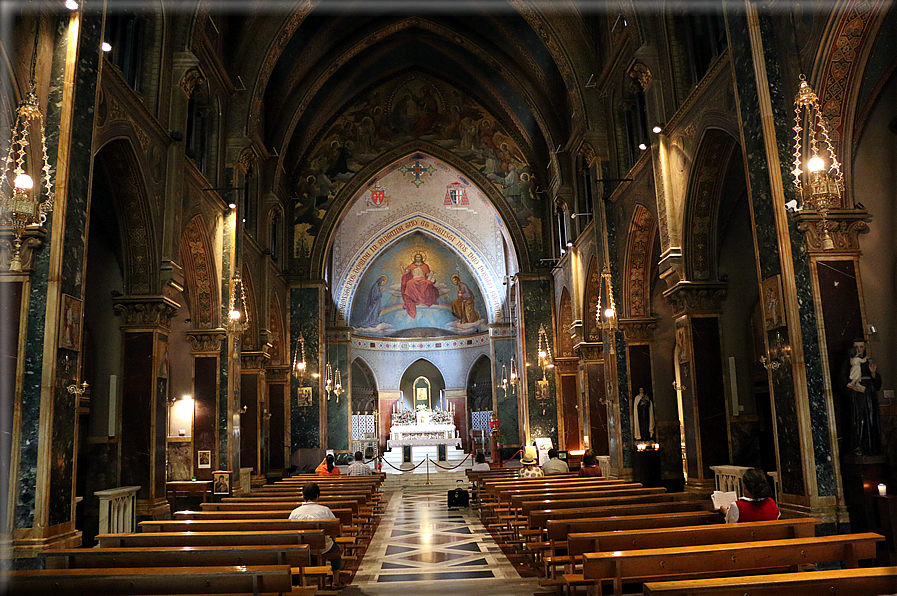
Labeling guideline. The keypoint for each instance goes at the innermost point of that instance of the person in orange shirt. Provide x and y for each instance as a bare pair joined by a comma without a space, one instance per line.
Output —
327,467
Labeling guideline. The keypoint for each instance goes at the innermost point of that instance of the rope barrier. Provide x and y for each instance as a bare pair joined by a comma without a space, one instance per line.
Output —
512,457
453,467
401,470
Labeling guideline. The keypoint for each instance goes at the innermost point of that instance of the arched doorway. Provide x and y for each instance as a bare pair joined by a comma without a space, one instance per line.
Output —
480,403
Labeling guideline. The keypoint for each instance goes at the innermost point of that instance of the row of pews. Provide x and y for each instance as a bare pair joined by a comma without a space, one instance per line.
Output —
242,545
607,536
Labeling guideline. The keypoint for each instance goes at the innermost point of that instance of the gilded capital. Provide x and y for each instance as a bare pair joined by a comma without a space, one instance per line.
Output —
145,311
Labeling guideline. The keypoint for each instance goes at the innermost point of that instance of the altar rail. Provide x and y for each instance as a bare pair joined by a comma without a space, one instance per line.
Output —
118,510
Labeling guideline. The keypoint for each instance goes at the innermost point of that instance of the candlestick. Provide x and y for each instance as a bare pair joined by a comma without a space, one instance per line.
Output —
883,490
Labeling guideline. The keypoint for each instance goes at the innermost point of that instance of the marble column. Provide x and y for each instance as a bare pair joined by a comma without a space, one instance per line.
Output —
534,295
805,430
338,405
145,323
696,309
206,352
49,292
504,348
305,396
252,404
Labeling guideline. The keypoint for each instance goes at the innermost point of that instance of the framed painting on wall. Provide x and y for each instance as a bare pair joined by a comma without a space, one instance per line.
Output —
204,459
303,396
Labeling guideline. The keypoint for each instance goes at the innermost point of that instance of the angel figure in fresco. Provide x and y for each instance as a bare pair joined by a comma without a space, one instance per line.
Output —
463,307
418,286
372,310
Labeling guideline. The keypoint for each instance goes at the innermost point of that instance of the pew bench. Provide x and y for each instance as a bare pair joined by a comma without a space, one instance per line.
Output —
314,538
256,580
684,562
843,582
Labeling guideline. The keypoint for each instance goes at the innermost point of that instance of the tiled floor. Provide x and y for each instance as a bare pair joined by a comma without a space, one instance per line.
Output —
421,547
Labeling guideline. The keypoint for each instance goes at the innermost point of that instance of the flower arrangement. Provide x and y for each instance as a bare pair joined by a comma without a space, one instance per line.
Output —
402,418
442,417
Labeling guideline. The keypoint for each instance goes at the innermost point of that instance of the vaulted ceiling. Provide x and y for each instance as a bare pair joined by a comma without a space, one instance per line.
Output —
305,63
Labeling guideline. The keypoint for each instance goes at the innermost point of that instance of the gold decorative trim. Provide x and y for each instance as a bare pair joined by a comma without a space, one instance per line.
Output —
844,228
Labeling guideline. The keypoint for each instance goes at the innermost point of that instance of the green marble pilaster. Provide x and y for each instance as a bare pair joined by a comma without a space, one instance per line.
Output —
306,318
508,413
43,512
805,450
535,300
619,417
338,407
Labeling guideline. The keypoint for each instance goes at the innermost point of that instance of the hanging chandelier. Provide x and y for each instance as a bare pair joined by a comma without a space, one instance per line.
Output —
333,385
238,307
821,186
546,361
299,364
606,319
21,206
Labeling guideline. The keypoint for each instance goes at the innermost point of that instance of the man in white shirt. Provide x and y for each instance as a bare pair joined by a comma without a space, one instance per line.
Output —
311,510
358,467
554,465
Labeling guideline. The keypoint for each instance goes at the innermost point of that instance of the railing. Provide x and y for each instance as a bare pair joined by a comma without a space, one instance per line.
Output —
118,509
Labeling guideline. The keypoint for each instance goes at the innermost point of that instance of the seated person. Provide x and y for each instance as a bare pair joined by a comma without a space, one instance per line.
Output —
481,465
756,504
554,465
311,510
358,467
590,467
327,467
530,465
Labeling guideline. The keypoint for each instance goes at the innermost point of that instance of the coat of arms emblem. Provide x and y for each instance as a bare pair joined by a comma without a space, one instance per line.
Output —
378,197
455,194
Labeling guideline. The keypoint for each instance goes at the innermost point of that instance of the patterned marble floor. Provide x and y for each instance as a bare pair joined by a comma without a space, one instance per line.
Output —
421,547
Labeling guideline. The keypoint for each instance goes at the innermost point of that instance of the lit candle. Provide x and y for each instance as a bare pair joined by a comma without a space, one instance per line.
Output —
882,490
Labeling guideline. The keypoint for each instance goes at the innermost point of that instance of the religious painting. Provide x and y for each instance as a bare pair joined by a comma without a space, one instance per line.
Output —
303,396
221,482
419,287
70,330
773,312
204,459
411,106
421,393
682,343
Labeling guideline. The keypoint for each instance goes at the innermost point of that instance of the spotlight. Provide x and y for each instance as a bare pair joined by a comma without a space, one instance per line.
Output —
569,245
642,146
657,129
232,205
106,47
71,4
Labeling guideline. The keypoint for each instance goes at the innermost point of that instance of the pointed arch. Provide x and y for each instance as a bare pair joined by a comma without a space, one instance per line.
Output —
702,200
638,266
565,318
279,354
119,165
199,270
590,303
324,237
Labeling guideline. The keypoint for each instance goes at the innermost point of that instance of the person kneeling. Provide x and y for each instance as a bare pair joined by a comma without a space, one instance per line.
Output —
312,510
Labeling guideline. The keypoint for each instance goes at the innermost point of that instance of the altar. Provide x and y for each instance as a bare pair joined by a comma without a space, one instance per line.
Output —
425,429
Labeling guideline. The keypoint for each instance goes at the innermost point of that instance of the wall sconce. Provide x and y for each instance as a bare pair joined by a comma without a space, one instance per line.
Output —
20,204
299,364
779,354
824,180
575,215
79,390
238,309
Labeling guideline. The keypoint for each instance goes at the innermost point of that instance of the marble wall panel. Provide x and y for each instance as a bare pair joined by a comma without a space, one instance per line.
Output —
305,319
205,383
536,311
508,414
249,435
338,407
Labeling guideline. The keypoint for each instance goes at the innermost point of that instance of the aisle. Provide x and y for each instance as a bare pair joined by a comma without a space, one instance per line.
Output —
421,548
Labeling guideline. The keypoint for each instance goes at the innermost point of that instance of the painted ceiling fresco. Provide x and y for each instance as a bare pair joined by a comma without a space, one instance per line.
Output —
409,107
420,252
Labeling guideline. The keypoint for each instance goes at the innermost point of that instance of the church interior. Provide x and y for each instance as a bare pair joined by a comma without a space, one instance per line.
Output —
236,236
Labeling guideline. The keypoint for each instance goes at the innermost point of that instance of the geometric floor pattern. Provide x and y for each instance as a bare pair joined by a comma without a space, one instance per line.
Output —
421,547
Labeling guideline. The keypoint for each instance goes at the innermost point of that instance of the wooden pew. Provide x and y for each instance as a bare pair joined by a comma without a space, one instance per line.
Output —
314,538
256,580
539,518
331,527
722,559
843,582
579,543
294,555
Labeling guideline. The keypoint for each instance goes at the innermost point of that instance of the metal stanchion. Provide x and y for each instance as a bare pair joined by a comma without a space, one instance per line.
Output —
428,468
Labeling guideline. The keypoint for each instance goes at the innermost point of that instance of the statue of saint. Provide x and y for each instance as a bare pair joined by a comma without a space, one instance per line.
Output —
860,383
643,416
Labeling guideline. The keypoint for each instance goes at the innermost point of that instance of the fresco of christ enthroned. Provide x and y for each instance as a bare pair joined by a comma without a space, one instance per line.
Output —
418,286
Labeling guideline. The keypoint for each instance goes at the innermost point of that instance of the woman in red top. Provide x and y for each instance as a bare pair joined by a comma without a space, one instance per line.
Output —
590,467
756,504
327,467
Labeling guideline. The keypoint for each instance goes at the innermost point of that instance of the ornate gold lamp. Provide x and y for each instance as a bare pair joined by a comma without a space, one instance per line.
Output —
299,364
238,310
607,318
546,361
21,204
819,187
